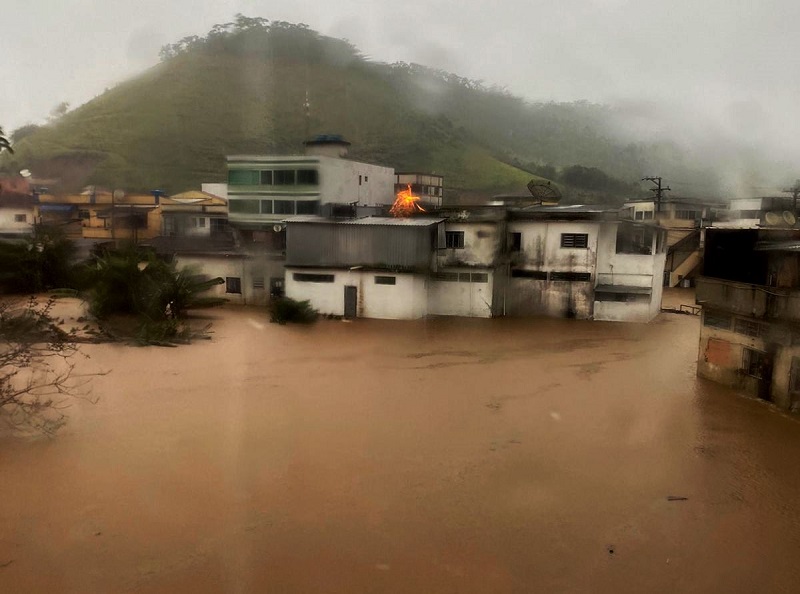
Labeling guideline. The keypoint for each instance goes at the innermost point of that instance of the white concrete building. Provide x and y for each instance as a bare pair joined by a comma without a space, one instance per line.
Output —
17,215
264,190
471,273
585,263
373,267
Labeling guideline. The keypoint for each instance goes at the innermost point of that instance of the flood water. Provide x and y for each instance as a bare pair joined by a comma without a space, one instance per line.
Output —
444,455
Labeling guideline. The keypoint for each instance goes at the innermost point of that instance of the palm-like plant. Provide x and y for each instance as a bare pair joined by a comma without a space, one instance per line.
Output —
5,143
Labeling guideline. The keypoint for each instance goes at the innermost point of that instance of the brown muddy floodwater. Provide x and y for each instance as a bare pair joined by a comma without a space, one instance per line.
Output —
444,455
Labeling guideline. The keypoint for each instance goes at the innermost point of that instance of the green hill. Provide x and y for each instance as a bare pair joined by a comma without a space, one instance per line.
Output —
243,89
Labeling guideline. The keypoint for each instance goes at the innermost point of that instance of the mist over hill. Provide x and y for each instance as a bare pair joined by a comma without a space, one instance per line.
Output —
254,86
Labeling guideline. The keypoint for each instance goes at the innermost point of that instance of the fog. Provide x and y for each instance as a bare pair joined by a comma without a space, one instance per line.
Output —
716,77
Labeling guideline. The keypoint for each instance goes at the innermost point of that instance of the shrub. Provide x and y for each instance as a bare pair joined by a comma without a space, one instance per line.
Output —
284,309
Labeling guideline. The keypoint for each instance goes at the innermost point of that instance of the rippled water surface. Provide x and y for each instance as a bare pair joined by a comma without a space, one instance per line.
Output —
433,456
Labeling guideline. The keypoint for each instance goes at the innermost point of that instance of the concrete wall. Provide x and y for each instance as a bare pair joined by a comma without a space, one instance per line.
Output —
483,242
720,358
467,299
617,311
542,251
781,376
247,269
339,182
405,300
633,270
541,245
218,189
560,299
9,225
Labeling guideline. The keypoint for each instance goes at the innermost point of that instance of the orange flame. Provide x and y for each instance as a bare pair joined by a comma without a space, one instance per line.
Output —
406,204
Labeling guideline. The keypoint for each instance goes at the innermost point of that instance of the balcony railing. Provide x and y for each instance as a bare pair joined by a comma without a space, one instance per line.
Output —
756,301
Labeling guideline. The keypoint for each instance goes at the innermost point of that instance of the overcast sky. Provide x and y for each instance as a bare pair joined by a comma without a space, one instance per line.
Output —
729,64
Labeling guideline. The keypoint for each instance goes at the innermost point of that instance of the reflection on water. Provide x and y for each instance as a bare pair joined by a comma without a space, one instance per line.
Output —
438,456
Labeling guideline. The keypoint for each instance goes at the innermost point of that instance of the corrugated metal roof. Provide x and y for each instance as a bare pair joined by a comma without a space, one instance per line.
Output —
373,221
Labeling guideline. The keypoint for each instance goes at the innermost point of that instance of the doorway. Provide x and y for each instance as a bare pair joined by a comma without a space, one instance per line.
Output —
350,302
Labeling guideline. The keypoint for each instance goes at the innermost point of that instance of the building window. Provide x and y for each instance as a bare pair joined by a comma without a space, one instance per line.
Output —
201,222
714,319
302,277
634,239
20,218
534,274
516,242
648,214
233,284
385,280
575,240
463,277
689,215
479,277
283,177
639,215
307,177
243,177
84,214
753,362
366,178
266,178
307,206
243,206
447,276
622,297
218,225
570,276
454,239
748,328
284,206
266,207
258,282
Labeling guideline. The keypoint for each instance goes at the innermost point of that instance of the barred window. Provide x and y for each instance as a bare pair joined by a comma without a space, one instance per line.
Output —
534,274
385,280
714,319
748,328
570,276
575,240
302,277
454,239
233,284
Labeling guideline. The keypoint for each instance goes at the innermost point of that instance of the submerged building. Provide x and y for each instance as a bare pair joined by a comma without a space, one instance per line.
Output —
750,297
585,262
580,262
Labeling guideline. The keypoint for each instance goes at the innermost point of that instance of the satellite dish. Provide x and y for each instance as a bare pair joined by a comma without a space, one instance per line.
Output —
119,194
25,173
789,218
772,218
277,228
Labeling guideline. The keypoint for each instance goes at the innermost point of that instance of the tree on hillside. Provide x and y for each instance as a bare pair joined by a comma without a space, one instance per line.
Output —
58,111
24,132
5,143
36,368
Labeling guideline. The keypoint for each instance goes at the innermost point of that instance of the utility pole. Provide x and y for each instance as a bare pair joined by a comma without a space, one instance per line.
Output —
658,190
795,192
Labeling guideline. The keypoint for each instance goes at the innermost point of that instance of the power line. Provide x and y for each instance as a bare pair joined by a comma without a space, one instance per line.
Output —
658,190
